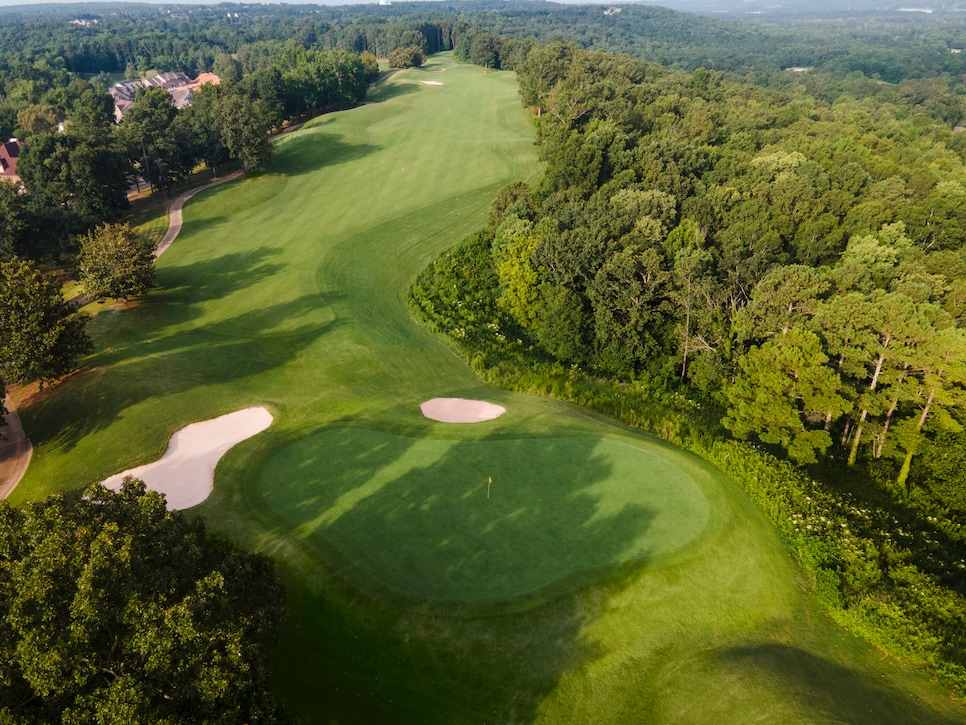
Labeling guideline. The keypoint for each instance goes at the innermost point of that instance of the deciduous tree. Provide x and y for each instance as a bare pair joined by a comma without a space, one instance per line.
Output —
115,261
409,57
41,118
113,609
41,337
243,130
151,138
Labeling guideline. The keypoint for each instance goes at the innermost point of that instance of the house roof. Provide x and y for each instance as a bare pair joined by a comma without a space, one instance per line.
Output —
205,78
9,155
179,85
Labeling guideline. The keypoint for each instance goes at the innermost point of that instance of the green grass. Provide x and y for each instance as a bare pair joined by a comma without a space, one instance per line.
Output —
413,514
609,578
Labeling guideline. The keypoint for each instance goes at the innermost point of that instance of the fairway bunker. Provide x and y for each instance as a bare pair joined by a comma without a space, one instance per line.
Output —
460,410
185,474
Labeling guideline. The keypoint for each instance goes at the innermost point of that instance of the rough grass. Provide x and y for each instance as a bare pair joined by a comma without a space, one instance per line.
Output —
287,290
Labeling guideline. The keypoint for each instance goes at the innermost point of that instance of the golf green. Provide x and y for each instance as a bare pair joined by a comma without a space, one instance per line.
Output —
419,516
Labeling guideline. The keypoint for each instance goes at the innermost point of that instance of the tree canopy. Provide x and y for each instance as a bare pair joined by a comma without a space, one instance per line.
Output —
115,610
41,337
115,261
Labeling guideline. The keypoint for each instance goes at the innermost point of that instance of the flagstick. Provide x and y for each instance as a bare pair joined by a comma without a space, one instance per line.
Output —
489,482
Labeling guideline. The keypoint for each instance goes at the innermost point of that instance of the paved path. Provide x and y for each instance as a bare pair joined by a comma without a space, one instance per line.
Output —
174,211
15,452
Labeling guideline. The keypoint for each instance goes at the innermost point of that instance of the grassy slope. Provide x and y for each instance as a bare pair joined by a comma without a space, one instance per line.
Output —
287,291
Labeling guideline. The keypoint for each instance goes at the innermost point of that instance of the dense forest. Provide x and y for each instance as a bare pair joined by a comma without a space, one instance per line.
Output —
765,265
118,37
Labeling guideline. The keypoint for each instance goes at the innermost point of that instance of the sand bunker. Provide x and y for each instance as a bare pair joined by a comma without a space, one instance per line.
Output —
431,83
185,474
460,410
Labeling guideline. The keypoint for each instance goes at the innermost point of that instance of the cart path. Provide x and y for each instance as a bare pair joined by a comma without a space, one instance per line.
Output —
174,211
16,451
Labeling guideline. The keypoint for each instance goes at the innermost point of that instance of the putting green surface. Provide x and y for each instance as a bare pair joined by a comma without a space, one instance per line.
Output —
416,515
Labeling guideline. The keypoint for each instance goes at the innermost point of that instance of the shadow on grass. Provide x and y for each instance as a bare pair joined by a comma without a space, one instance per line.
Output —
394,90
430,527
221,276
308,152
411,520
832,692
167,365
351,660
174,301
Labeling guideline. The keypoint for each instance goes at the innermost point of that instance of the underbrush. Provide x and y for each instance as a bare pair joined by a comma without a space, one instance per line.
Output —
893,576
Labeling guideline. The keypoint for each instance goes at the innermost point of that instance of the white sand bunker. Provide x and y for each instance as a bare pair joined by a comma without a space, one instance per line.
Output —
185,474
431,83
460,410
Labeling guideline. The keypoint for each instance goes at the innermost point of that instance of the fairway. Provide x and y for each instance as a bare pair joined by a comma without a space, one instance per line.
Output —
609,577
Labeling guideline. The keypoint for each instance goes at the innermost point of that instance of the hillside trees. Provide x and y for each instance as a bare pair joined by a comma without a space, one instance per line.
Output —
113,609
756,254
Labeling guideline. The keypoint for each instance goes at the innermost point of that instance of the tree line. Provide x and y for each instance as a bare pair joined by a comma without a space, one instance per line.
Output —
744,240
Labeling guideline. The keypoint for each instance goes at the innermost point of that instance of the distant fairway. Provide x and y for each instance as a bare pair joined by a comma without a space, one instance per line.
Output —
413,514
609,578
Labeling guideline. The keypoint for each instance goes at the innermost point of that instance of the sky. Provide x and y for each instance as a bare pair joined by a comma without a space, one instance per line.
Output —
11,3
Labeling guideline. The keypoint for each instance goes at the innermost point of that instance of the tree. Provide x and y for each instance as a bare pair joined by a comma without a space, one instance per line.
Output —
41,337
150,136
115,261
227,68
485,50
13,219
785,297
113,609
783,390
37,119
942,376
628,297
243,130
200,126
409,57
692,286
45,170
544,67
87,175
370,66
